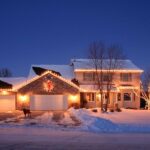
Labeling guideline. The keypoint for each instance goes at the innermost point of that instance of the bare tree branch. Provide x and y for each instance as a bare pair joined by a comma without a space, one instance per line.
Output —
4,72
108,59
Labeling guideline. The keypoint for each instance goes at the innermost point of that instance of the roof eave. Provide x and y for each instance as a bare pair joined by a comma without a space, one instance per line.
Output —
104,70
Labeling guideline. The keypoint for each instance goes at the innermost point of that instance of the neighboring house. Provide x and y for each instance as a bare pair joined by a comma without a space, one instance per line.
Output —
57,87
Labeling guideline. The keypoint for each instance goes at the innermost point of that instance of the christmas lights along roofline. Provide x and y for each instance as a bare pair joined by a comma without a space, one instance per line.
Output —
67,71
47,72
125,65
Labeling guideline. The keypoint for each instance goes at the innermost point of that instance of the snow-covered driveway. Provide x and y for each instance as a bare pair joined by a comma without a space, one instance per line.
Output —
47,119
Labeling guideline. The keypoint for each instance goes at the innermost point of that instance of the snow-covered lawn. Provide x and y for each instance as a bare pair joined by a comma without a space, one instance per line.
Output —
127,116
127,121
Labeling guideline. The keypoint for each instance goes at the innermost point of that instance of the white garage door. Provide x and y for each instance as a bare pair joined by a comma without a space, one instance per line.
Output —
7,103
48,102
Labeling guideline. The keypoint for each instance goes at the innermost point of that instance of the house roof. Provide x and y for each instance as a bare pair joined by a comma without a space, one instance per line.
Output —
14,81
4,85
44,73
86,64
66,71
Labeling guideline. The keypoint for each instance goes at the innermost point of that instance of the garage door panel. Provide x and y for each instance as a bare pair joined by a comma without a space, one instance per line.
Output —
48,102
7,103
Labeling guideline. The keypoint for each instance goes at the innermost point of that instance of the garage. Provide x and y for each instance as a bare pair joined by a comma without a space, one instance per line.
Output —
48,102
7,103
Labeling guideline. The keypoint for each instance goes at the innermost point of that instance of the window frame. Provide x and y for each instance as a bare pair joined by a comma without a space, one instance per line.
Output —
118,97
91,97
88,76
126,99
126,77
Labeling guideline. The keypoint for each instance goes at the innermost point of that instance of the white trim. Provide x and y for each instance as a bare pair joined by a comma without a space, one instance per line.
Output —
128,87
47,72
116,70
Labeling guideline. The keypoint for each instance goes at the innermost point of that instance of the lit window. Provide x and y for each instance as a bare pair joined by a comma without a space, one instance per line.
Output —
89,96
126,77
107,77
88,76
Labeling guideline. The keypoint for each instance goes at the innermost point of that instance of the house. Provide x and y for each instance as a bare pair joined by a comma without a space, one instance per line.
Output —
57,87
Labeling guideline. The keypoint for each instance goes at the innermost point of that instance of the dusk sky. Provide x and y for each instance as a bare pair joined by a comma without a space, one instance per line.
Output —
54,31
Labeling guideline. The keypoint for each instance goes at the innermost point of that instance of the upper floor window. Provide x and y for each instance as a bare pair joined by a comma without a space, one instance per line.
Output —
88,76
126,77
107,77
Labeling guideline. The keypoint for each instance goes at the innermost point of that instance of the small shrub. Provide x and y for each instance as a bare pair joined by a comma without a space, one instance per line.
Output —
118,110
75,105
111,110
94,110
131,108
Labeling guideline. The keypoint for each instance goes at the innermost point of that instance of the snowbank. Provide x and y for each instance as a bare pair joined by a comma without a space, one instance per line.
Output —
104,122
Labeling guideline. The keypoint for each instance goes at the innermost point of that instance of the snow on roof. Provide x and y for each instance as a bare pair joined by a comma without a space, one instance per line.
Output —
88,65
15,81
65,70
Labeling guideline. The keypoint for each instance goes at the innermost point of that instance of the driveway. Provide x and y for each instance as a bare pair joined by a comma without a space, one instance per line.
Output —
11,114
39,118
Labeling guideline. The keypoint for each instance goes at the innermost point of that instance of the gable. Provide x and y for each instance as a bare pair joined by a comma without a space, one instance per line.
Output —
66,71
40,71
48,84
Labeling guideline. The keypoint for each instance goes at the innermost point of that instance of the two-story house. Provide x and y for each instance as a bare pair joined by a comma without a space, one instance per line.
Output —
58,87
125,89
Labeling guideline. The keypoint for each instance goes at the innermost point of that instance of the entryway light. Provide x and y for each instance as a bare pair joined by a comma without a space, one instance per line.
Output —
23,98
4,92
73,98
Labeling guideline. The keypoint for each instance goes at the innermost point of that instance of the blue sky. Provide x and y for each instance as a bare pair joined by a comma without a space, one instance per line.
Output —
53,31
